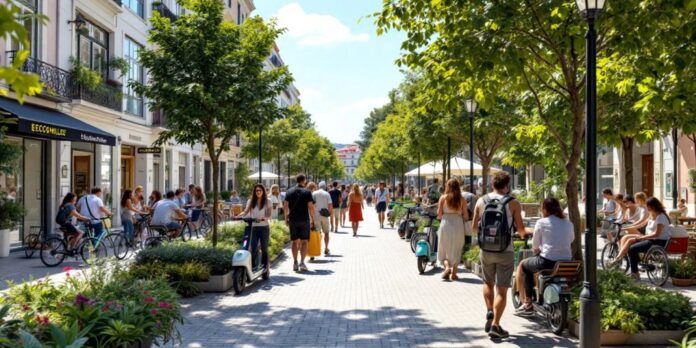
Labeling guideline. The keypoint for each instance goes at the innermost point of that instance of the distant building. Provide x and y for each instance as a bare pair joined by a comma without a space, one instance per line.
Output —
350,156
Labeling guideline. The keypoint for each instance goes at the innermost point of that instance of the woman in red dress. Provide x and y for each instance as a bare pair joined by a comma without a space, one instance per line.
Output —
355,202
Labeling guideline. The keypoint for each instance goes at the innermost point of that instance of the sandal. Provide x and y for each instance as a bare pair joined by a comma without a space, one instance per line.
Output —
446,274
454,277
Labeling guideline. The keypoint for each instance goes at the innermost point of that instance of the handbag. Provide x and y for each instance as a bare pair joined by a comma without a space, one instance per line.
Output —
314,245
324,212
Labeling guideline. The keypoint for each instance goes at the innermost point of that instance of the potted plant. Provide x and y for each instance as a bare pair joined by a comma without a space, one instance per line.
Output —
122,66
10,213
682,272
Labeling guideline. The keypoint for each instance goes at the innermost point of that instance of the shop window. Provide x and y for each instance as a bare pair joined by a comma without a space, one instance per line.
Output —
106,178
133,102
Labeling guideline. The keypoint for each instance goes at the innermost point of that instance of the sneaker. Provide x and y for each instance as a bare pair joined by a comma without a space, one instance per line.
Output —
498,332
489,321
303,268
524,311
326,252
295,267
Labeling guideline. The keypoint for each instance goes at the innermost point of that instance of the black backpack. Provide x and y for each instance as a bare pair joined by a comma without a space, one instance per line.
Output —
494,229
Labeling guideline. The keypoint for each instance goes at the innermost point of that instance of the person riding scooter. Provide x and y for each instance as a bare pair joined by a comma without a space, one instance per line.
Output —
553,235
259,208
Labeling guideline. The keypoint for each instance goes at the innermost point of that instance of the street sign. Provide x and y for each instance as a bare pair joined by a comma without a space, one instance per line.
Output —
145,150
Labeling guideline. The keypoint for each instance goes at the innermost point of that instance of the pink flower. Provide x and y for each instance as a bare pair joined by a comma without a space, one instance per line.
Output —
153,311
42,319
67,269
164,305
25,307
149,300
81,299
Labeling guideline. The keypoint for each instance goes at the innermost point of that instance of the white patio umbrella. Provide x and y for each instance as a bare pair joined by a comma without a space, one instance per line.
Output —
459,166
264,176
428,169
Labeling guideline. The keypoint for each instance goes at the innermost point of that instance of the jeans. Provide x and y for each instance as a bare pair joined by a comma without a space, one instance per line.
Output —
128,229
641,247
262,234
97,228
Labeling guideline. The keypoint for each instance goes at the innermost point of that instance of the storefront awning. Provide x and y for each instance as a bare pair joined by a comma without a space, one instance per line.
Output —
46,123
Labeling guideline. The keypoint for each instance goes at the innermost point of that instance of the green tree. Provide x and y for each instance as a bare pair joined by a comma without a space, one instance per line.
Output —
208,74
377,115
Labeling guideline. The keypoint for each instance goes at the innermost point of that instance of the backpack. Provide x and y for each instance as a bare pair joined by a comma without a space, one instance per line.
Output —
61,217
494,229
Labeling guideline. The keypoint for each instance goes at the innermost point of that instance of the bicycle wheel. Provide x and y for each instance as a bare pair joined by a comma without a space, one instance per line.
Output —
120,246
609,252
53,251
206,225
186,234
109,243
154,242
92,249
31,243
657,265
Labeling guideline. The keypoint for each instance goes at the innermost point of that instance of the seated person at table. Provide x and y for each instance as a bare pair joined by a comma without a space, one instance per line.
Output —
682,208
553,236
166,212
656,233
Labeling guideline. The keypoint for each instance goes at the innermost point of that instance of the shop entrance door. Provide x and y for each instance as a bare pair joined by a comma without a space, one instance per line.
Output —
156,170
647,174
127,168
82,172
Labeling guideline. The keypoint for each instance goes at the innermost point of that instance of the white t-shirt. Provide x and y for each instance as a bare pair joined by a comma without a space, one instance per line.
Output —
609,208
382,195
163,212
553,236
638,215
259,214
652,227
322,200
91,203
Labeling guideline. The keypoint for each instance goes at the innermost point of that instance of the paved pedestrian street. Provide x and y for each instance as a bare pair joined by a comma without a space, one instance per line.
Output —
367,293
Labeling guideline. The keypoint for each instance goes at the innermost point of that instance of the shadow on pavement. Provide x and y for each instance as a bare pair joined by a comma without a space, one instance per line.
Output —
262,325
274,282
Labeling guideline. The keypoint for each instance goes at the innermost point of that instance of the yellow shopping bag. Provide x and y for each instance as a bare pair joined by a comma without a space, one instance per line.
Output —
314,247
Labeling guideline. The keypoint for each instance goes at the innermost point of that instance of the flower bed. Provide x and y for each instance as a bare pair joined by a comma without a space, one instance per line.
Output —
633,308
105,307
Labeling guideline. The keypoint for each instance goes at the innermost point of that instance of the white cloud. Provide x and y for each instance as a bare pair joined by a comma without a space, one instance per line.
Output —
311,29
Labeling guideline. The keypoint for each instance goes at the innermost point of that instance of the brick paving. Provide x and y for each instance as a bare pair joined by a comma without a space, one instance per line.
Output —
367,294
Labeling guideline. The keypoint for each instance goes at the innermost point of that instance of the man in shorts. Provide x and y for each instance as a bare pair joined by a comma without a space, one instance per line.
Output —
297,204
322,201
498,267
382,197
335,194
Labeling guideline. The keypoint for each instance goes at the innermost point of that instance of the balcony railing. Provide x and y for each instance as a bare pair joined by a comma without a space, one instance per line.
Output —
106,95
164,11
57,83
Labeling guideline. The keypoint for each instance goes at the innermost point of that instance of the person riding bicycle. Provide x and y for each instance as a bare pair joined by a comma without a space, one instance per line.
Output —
553,236
92,206
639,220
166,212
656,233
66,212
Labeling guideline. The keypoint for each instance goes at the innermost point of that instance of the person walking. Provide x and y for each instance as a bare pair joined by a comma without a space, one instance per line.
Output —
382,197
497,266
323,210
355,199
344,204
369,195
275,201
260,209
296,206
336,201
451,211
470,205
434,192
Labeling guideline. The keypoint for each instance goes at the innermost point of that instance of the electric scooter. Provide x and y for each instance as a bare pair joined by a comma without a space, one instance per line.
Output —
426,248
552,293
242,270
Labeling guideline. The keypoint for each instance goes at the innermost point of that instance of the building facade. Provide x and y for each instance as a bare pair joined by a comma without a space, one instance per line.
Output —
350,156
74,136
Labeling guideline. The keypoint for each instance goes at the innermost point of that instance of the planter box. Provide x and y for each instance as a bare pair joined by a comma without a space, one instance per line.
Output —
467,264
645,338
216,283
682,282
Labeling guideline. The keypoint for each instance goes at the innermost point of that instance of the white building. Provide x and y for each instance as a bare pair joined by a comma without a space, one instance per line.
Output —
350,156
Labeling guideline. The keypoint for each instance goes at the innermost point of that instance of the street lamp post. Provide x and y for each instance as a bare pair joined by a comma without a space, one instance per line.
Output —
470,106
589,297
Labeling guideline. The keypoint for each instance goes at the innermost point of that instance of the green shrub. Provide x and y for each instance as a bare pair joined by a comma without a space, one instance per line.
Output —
225,195
472,254
218,259
638,307
682,269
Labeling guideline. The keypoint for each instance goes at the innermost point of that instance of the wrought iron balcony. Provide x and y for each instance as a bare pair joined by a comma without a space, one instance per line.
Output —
106,95
164,11
57,83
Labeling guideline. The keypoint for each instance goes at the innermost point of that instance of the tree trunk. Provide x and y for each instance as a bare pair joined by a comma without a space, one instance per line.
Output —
485,172
216,167
445,163
627,153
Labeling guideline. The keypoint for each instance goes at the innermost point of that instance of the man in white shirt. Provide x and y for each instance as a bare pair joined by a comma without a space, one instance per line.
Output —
165,211
92,206
382,196
322,201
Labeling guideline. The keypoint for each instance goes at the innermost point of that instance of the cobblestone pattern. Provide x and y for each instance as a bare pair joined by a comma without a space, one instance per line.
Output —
367,294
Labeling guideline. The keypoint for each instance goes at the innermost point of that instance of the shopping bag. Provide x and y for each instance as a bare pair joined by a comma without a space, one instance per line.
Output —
314,247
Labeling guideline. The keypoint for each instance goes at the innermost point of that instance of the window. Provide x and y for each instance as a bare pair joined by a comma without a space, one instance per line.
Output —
133,102
176,8
229,3
93,48
136,6
27,10
239,13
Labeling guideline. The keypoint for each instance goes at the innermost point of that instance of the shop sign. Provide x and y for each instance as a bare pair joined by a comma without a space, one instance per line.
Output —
145,150
43,130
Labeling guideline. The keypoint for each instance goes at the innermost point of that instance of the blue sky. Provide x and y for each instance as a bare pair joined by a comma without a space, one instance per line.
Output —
341,67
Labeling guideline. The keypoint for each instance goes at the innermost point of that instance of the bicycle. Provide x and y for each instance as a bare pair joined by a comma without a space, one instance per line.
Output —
32,241
206,223
611,248
55,249
106,238
655,261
